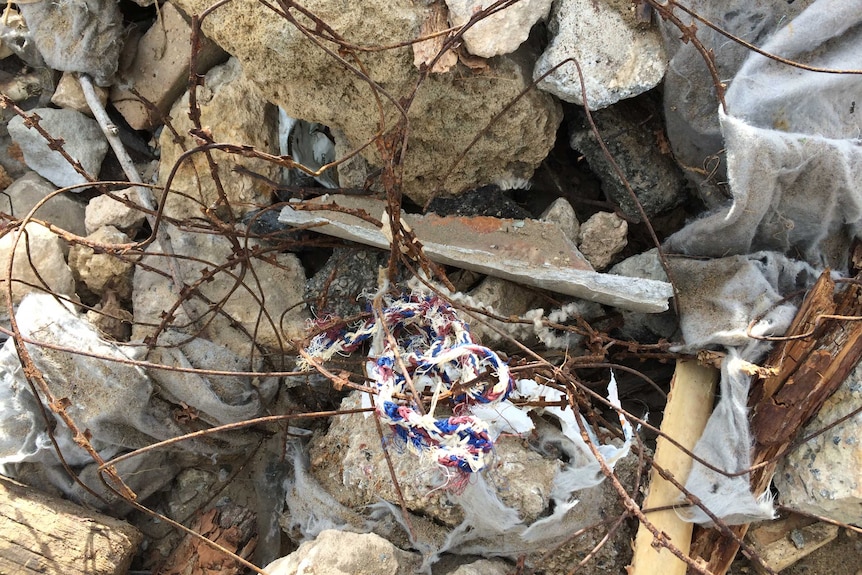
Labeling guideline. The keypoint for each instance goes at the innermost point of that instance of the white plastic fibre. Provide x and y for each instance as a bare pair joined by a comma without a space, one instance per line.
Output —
794,159
719,298
309,508
726,444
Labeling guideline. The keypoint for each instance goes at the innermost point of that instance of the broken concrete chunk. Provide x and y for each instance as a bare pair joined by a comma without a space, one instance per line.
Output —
447,112
501,32
159,70
350,464
822,476
618,59
82,139
344,553
633,132
523,251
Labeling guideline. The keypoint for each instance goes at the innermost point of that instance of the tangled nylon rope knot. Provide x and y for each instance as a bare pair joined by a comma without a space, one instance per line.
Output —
439,353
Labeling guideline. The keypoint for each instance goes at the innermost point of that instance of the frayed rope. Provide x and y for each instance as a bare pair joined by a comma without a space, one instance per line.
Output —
439,352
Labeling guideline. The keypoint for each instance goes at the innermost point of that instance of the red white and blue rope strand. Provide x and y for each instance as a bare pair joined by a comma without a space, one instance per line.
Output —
439,352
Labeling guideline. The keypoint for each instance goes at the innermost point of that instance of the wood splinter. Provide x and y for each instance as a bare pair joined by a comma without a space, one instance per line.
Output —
689,404
805,371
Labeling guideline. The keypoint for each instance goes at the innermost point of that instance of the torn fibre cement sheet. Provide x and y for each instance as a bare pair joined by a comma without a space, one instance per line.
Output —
523,251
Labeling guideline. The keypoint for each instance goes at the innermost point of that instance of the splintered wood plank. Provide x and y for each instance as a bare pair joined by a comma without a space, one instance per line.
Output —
689,404
806,371
782,543
51,536
230,525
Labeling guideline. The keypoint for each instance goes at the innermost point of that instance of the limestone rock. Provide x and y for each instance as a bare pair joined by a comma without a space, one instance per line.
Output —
82,36
103,271
82,139
618,58
482,567
70,95
500,33
63,210
505,298
448,111
265,303
563,214
345,553
603,236
822,476
633,132
106,211
350,464
50,265
159,68
234,110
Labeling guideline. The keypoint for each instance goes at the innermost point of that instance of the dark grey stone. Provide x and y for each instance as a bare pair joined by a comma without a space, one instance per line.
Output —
633,133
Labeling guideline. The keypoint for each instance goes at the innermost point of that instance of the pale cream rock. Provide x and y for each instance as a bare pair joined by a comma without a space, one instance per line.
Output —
603,236
159,68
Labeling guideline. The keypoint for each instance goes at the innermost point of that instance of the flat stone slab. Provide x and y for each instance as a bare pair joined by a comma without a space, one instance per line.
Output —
529,252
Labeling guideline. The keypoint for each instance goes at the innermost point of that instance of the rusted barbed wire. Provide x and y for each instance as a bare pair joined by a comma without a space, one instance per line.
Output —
391,141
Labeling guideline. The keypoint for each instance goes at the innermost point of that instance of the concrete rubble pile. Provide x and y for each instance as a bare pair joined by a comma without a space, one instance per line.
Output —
204,283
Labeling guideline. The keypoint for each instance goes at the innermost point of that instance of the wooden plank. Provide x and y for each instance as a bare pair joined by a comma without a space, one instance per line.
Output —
782,543
230,525
806,371
51,536
689,404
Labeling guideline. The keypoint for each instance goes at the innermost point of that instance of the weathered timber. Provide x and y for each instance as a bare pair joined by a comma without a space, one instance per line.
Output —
51,536
230,525
782,543
805,372
689,403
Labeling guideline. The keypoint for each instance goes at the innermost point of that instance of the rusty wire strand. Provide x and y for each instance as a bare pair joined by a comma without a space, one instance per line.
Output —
393,156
